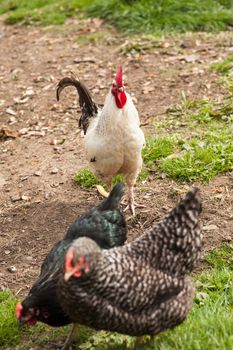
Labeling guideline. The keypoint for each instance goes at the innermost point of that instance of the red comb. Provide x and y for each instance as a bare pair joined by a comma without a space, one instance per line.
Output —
119,80
18,310
68,260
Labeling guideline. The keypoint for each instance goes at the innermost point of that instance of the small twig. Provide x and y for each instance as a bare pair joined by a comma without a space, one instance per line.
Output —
18,291
84,61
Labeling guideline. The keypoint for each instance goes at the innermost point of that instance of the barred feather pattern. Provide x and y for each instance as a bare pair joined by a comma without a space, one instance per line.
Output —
142,287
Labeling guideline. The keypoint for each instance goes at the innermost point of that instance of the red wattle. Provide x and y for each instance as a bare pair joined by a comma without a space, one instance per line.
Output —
32,321
120,99
18,310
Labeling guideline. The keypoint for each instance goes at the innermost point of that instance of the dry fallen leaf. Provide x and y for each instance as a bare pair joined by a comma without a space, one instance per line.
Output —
11,111
6,131
191,58
147,89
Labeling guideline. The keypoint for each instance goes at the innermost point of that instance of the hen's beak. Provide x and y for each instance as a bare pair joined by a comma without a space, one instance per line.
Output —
68,274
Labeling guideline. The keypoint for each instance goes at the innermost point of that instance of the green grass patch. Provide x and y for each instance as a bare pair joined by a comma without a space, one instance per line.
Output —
201,158
157,148
130,16
225,66
86,179
164,16
208,326
92,37
202,111
40,11
9,332
200,145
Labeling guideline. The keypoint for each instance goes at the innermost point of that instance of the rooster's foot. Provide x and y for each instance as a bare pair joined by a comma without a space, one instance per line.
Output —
132,206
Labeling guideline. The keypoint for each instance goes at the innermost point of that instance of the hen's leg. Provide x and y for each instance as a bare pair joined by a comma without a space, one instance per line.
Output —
71,337
139,341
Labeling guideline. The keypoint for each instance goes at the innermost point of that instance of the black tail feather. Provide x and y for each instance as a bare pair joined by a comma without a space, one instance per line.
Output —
114,198
88,107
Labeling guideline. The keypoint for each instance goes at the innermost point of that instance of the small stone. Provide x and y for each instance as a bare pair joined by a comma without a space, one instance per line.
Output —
25,197
191,58
23,131
210,227
37,173
7,252
46,195
12,120
24,177
15,198
29,92
29,258
11,269
54,171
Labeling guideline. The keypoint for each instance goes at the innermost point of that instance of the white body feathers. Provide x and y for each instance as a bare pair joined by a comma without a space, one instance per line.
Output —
114,140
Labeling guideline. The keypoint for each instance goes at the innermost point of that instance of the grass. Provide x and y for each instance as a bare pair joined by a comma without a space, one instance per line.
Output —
129,16
201,158
199,141
208,326
86,179
225,66
92,37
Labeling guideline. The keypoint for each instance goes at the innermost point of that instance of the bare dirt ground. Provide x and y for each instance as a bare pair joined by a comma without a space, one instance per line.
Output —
38,196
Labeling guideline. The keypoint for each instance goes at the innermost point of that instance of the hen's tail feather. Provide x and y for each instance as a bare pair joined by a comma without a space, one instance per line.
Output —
180,235
113,200
104,223
174,244
88,107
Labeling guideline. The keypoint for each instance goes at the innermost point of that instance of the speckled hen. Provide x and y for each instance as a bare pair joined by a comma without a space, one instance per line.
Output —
106,225
142,287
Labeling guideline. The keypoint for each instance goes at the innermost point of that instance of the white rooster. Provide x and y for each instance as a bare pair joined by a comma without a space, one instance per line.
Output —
113,137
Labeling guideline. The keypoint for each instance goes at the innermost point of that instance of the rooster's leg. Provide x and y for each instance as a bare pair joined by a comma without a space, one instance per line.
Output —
71,337
131,203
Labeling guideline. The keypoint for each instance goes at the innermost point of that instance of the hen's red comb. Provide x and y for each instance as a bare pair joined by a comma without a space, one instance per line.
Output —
119,79
68,260
18,310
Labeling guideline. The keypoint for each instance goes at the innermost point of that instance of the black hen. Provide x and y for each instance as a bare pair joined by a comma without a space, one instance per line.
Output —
106,225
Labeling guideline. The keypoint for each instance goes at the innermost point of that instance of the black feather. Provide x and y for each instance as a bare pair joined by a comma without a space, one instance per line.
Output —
88,107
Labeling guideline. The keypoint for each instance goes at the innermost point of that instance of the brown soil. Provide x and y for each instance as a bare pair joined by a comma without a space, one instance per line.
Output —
38,196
